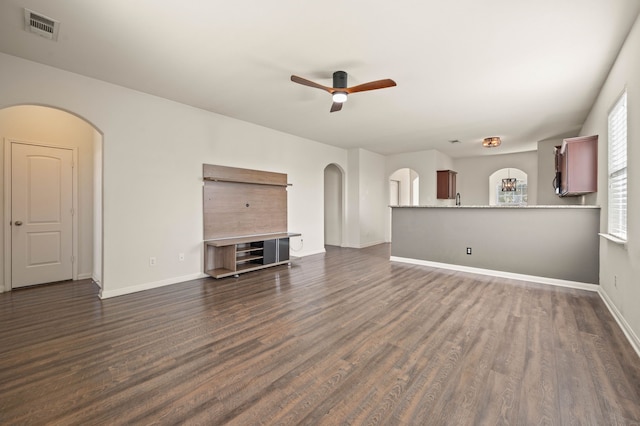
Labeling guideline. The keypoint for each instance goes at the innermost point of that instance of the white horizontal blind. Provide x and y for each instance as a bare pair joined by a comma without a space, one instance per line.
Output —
617,206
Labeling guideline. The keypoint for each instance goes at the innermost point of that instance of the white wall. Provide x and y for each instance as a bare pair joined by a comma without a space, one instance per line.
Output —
54,127
373,198
352,219
368,198
97,209
620,265
152,159
473,175
333,201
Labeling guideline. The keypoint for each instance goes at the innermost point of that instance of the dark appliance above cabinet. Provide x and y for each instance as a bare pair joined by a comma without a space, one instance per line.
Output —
576,166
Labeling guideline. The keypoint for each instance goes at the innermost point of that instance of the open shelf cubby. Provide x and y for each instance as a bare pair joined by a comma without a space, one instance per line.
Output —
230,256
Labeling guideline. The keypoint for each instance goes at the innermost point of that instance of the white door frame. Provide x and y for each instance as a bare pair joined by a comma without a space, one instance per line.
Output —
7,206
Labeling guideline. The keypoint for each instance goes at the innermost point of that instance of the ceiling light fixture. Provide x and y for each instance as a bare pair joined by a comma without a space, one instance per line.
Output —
339,97
491,142
508,184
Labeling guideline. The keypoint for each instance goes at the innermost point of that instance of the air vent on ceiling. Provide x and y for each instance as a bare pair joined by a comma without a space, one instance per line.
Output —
39,24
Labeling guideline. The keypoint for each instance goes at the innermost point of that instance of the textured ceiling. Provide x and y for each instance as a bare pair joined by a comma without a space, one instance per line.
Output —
465,69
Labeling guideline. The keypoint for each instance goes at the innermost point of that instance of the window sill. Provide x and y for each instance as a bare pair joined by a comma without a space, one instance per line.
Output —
615,240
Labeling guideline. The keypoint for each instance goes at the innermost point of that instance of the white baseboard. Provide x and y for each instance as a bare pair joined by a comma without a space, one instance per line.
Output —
105,294
85,276
371,244
502,274
624,325
97,281
307,253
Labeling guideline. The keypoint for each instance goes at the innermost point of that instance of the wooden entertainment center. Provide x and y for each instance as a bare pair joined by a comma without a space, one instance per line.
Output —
245,220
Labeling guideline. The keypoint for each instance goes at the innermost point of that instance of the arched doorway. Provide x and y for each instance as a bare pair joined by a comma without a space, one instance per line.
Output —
333,205
40,127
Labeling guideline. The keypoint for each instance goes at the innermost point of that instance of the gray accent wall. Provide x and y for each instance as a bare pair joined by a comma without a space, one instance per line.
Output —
551,242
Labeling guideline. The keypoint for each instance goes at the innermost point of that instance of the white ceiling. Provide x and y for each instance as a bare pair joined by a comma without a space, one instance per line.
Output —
466,69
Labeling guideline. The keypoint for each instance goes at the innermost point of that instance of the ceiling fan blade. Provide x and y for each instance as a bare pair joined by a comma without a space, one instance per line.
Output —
336,106
372,85
310,83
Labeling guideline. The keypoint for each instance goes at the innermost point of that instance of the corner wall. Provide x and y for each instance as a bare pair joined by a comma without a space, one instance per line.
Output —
368,199
620,264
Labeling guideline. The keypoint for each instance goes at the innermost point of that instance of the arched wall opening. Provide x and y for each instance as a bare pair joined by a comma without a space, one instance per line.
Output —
404,190
501,194
333,205
45,126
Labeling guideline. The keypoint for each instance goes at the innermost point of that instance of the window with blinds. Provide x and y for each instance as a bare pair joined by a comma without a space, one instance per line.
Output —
617,206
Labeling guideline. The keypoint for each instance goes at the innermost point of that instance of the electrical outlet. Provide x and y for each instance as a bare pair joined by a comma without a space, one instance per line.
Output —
468,250
181,257
152,261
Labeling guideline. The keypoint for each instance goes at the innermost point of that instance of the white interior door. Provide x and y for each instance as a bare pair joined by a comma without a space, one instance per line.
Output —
41,214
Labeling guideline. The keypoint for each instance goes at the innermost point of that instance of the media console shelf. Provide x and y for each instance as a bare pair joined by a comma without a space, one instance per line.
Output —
245,220
231,256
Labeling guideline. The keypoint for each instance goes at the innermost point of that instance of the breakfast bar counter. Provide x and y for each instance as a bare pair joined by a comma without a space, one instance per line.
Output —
551,242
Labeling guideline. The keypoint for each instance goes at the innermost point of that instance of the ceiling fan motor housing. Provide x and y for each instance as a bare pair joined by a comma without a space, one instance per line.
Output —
339,80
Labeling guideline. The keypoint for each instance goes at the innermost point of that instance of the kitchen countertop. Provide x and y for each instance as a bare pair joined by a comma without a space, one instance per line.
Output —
502,207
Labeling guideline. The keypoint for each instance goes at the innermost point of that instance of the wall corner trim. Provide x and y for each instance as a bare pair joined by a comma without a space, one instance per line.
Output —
624,325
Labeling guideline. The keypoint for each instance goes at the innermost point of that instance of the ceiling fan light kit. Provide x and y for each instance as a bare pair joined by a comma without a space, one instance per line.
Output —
339,97
339,92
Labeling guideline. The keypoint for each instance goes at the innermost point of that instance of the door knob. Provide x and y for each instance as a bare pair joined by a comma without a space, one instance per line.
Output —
17,222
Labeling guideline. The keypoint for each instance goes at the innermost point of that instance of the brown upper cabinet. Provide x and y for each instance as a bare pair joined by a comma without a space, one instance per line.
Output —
577,163
446,181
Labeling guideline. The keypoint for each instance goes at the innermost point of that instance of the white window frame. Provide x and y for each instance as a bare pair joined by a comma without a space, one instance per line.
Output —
519,197
617,169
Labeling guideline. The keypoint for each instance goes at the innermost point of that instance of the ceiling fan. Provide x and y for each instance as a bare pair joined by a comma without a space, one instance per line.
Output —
340,91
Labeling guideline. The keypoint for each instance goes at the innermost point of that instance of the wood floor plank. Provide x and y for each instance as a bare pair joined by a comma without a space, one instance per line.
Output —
344,337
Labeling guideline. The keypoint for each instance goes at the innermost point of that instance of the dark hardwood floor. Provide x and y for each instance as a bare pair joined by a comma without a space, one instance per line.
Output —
343,338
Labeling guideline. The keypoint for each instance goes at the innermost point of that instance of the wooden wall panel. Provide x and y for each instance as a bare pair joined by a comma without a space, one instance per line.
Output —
235,174
238,209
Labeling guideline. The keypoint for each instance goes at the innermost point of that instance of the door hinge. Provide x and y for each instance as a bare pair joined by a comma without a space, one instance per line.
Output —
73,212
73,259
